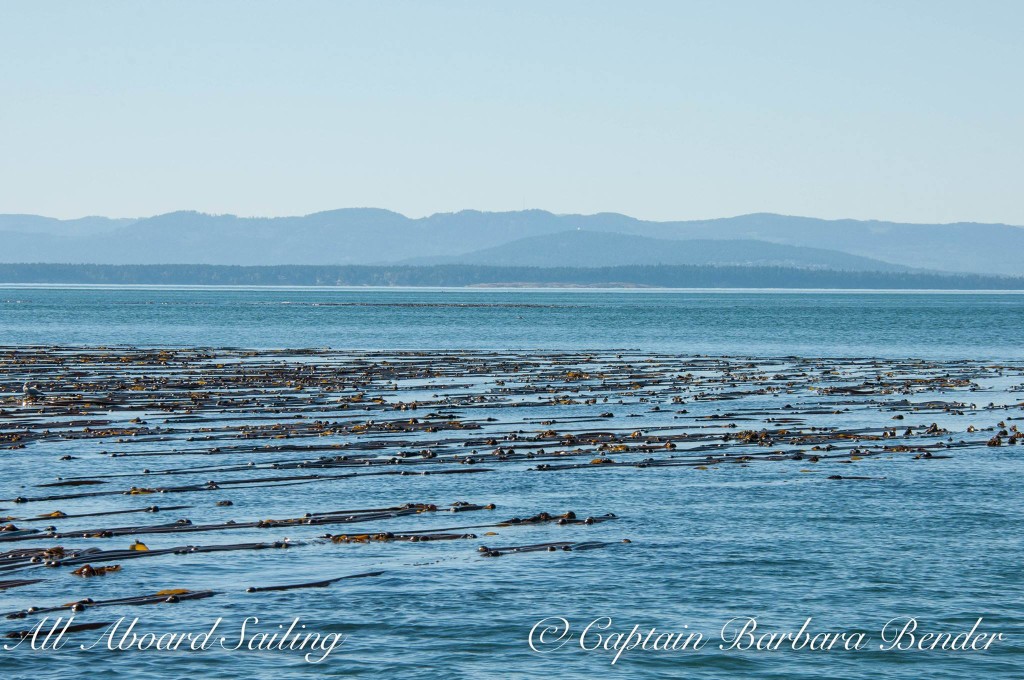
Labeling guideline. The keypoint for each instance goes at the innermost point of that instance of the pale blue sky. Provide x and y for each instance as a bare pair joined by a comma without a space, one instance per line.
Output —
908,111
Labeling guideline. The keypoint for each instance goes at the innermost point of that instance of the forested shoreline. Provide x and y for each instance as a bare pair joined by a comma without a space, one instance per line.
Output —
660,276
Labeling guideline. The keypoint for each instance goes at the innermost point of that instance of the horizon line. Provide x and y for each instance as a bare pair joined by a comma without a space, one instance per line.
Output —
501,212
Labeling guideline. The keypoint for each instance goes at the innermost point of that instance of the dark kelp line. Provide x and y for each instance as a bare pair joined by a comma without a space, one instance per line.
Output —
312,584
120,425
57,556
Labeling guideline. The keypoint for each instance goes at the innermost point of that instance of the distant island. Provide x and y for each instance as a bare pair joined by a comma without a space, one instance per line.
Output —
528,238
633,276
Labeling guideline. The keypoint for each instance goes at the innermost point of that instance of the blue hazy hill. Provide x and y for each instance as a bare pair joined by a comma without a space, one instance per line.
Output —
608,249
374,236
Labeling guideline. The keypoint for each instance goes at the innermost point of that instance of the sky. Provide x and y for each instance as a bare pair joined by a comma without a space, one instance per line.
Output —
904,111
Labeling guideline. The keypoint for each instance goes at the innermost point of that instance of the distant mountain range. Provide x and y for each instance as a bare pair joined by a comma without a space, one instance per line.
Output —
608,249
531,237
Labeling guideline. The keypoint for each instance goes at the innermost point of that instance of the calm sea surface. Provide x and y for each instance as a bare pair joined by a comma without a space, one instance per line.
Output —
939,541
726,322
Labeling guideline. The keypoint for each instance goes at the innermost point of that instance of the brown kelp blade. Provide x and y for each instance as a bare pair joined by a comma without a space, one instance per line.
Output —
311,584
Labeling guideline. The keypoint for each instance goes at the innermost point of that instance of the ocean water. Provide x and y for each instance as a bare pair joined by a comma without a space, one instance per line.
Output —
939,541
984,326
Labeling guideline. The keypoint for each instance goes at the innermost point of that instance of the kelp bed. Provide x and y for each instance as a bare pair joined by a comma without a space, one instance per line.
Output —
133,434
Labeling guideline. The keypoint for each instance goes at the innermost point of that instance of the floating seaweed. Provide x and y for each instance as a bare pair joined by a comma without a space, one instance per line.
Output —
173,595
122,427
555,546
312,584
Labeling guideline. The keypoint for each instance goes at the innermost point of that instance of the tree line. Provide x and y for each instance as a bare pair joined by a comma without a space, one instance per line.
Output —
662,276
